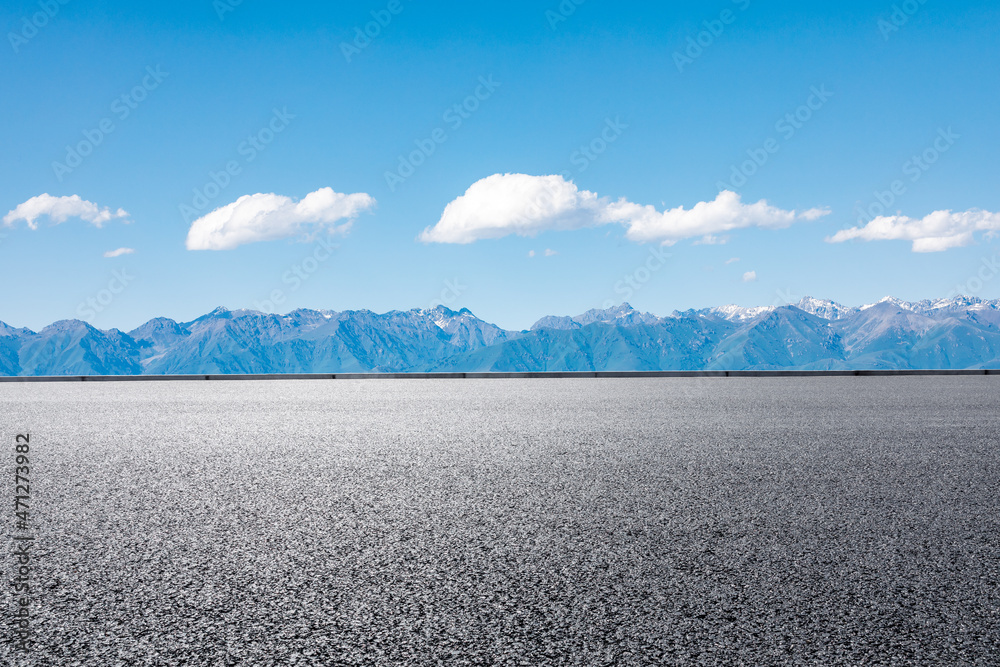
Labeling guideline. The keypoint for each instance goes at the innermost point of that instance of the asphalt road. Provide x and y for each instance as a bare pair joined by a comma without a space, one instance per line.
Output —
739,521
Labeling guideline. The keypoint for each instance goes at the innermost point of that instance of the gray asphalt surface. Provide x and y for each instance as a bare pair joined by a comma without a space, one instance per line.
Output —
799,521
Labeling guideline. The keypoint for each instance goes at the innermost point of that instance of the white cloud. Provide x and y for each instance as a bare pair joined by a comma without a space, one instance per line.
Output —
732,260
750,277
525,205
550,253
119,252
265,217
712,239
938,231
705,219
61,209
531,253
505,204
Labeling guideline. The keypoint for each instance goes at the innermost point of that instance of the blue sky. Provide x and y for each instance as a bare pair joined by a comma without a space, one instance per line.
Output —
267,90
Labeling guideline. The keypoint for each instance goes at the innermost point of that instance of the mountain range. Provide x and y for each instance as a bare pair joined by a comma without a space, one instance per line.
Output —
813,334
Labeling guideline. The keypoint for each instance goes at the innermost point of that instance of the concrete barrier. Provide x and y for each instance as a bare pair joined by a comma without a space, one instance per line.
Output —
489,376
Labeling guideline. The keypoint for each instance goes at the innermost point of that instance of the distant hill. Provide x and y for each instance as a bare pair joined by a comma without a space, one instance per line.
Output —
958,333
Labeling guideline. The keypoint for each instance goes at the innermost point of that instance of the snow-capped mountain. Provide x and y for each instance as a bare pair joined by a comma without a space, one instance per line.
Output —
623,315
248,341
899,303
824,308
955,332
734,313
950,304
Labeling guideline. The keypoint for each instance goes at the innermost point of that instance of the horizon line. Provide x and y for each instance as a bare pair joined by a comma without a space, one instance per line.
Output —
500,375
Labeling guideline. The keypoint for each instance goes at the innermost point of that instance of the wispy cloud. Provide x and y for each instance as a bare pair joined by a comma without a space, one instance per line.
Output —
61,209
550,253
266,217
938,231
750,277
732,260
119,252
525,205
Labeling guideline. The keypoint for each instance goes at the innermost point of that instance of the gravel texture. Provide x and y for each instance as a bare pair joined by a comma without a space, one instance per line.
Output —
749,521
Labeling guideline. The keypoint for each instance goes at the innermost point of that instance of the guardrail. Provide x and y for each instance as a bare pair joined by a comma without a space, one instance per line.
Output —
499,375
